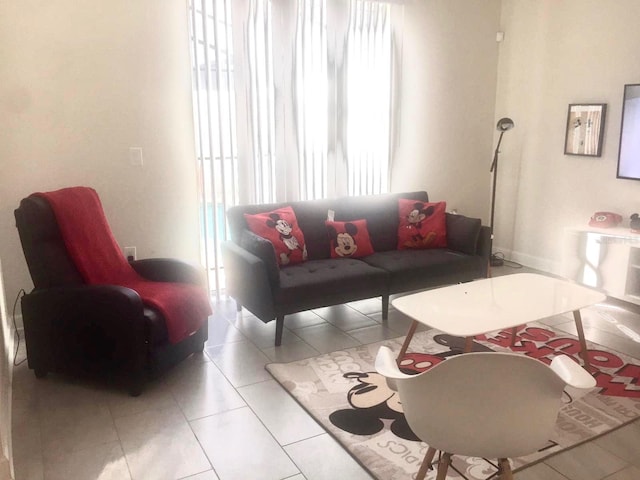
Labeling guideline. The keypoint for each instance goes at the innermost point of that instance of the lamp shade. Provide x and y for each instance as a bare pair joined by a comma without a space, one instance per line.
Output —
505,124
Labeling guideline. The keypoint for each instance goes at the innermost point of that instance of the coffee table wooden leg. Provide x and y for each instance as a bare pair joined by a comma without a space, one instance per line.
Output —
514,334
407,341
468,344
583,343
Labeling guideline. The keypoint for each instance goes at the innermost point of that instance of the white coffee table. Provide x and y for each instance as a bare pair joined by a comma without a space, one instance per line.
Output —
482,306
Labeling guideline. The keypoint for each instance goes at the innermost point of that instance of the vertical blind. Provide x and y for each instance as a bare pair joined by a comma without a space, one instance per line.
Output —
214,113
261,99
311,98
368,98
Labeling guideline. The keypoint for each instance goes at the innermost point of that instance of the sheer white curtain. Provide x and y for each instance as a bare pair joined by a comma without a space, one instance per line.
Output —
368,98
343,72
321,88
292,100
311,100
255,99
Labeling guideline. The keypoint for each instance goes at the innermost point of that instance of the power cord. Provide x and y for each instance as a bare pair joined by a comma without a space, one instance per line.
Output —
497,259
21,294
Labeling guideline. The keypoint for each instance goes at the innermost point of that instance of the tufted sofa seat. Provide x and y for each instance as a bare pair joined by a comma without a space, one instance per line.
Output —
256,282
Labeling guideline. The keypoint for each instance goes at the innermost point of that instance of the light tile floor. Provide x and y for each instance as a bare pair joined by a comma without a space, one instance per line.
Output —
220,415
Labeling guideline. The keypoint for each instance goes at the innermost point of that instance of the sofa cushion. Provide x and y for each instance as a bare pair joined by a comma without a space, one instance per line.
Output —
414,269
349,239
463,233
421,224
281,228
319,282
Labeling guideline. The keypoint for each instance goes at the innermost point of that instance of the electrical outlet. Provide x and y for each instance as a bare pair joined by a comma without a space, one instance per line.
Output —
135,156
130,253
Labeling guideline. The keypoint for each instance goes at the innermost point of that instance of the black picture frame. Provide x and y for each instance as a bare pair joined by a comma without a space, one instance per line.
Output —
628,159
585,129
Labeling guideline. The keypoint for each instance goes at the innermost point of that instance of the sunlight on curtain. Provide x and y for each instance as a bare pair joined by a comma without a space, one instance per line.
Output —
311,100
261,99
368,97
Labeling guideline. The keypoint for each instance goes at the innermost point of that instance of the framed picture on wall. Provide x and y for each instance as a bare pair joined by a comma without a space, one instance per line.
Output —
629,152
585,127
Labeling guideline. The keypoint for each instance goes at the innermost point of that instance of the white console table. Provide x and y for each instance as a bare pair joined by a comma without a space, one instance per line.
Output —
604,258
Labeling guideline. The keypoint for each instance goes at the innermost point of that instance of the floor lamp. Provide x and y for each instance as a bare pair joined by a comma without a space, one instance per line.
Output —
502,126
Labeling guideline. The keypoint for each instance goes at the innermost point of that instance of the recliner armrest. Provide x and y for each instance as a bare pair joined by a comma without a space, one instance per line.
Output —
58,320
115,303
169,270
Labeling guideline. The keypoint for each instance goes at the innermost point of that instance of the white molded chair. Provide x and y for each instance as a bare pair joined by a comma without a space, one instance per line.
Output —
489,404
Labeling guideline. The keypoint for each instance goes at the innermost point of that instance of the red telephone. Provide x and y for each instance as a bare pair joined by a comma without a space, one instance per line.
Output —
605,220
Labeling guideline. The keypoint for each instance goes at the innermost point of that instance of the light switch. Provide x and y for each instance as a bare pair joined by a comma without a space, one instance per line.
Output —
135,156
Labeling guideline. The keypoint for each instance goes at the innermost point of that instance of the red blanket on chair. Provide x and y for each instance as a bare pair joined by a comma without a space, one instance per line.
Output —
98,258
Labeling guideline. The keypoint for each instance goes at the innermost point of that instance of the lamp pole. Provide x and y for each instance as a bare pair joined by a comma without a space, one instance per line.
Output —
503,125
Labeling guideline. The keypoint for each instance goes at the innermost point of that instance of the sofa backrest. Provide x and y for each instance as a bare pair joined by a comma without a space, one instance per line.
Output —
380,211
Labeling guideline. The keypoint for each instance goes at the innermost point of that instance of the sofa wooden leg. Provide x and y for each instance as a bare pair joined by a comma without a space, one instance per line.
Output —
385,307
279,328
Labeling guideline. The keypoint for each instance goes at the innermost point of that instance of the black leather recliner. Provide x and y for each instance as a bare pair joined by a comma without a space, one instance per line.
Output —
96,329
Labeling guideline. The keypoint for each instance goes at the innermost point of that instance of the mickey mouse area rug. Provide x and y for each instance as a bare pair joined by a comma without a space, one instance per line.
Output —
343,392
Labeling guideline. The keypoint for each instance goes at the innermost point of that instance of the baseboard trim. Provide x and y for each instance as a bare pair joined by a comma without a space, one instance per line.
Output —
537,263
19,324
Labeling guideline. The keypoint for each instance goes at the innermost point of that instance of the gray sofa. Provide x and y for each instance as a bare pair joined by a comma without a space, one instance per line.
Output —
256,282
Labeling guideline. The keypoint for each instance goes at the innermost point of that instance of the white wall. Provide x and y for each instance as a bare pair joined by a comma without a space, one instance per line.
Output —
554,54
80,83
447,97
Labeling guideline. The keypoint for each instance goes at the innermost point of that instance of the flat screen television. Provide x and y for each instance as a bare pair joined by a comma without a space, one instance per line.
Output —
629,152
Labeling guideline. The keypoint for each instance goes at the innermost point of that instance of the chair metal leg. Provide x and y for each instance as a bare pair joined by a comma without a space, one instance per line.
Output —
426,463
443,466
505,469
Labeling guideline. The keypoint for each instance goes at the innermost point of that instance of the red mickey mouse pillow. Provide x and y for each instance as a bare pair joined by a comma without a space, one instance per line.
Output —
281,228
349,239
422,224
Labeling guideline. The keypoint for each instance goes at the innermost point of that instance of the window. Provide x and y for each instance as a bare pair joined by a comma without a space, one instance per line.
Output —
292,100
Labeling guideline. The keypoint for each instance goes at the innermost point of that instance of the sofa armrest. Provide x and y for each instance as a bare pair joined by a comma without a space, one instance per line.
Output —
247,280
169,270
265,251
